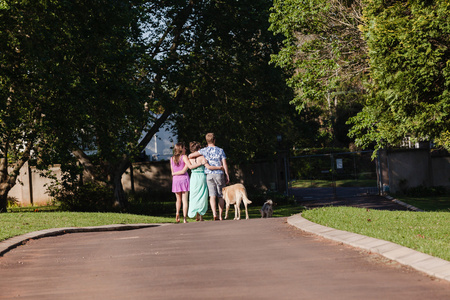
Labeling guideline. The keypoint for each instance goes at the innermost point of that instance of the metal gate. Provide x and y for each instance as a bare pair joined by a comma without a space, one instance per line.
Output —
333,175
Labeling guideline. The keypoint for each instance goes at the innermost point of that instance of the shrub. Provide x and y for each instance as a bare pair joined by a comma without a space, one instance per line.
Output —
89,197
12,201
421,191
149,202
259,197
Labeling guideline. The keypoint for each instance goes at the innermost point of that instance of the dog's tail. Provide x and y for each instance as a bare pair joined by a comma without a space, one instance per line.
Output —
246,200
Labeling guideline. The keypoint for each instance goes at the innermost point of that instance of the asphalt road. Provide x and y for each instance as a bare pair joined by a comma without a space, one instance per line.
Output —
246,259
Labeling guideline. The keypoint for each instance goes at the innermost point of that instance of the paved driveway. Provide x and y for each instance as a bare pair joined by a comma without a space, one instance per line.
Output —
247,259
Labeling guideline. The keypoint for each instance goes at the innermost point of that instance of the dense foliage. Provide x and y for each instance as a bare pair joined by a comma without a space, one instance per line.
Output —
408,44
324,51
233,91
67,74
81,80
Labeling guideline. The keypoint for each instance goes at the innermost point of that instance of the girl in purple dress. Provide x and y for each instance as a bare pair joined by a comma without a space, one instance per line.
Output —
179,164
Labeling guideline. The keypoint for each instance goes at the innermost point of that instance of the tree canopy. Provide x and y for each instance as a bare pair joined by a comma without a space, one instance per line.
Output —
232,90
408,44
95,75
67,73
390,57
325,54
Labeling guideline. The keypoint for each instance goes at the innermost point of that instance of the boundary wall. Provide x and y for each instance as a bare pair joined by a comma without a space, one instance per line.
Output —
31,187
402,169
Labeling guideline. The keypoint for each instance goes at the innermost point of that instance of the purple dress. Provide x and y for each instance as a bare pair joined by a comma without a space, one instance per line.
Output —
180,183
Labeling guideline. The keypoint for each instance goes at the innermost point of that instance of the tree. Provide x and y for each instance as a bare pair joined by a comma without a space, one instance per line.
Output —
326,56
26,65
232,89
149,86
65,68
410,73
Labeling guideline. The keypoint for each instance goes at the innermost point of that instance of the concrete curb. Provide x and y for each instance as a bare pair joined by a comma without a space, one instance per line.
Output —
16,241
423,262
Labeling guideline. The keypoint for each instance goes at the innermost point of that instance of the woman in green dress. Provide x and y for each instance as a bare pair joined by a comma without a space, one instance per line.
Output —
198,190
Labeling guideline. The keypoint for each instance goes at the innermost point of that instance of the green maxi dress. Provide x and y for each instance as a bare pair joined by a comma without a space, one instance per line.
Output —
198,192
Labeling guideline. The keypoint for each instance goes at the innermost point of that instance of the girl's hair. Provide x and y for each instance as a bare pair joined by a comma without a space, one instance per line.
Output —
177,151
194,146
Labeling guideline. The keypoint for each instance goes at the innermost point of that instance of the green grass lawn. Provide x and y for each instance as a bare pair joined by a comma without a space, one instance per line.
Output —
27,219
327,183
427,232
19,223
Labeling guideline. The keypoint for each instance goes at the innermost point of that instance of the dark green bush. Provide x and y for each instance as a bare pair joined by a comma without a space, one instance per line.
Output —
422,191
89,197
259,197
153,203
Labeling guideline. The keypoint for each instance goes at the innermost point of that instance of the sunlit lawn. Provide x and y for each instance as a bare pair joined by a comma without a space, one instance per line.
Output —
28,219
427,232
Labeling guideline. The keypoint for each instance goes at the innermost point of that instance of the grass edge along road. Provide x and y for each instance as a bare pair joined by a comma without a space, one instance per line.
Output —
426,232
22,222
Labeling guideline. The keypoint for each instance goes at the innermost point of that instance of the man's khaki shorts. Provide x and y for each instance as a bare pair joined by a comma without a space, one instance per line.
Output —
215,184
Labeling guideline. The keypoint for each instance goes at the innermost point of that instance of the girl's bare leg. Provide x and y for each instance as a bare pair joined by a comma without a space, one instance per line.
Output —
178,207
185,205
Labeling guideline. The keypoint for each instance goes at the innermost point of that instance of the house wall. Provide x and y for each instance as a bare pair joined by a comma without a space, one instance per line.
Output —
403,169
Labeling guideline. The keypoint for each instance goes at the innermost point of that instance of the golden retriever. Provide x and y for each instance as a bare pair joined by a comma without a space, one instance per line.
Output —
235,194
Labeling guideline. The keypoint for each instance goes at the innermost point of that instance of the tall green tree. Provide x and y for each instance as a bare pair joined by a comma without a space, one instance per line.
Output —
27,88
408,44
325,54
65,68
147,92
232,89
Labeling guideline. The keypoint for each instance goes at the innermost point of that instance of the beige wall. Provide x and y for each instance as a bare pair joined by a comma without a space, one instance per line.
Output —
34,193
148,175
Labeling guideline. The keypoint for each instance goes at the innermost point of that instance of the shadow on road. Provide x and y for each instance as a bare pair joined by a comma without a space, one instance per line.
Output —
344,196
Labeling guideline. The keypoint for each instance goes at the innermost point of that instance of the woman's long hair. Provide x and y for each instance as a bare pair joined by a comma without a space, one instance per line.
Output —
177,151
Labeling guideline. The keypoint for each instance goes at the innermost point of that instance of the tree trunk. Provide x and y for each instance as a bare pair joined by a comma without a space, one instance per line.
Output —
8,179
120,200
3,198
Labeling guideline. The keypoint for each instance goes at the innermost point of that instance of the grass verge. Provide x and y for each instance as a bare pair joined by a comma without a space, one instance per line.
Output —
427,232
14,224
23,220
